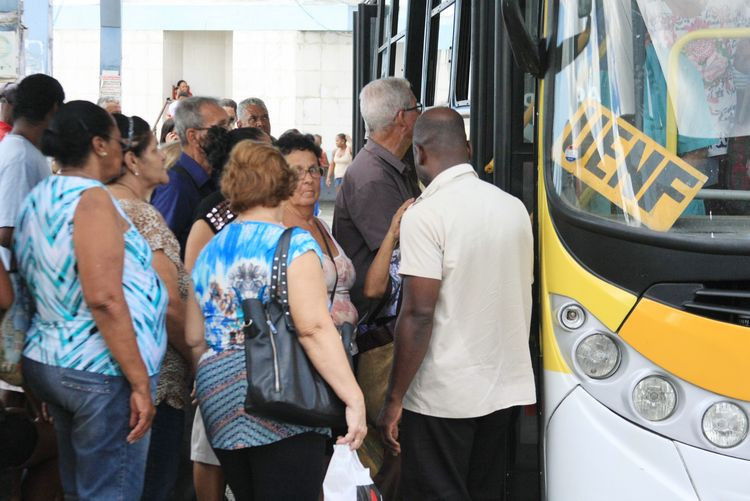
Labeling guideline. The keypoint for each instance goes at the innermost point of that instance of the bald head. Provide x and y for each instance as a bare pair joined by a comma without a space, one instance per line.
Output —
440,140
440,129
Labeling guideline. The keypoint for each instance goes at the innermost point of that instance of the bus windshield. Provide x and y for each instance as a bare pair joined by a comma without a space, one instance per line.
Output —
651,122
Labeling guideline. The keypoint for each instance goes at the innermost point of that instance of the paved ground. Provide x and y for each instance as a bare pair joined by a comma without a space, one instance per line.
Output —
326,212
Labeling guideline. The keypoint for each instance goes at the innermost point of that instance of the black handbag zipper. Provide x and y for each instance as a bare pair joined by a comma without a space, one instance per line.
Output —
276,371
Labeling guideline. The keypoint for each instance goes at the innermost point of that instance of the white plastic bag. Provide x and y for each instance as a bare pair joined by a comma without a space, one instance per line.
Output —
346,478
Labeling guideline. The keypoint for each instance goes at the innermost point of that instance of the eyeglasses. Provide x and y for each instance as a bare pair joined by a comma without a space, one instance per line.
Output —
417,107
313,170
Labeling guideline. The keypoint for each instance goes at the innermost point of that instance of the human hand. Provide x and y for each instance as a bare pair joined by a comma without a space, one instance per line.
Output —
395,228
388,420
356,424
328,182
172,137
142,412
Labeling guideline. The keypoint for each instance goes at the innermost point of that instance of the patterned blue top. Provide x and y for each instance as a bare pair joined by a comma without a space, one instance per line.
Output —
237,261
63,332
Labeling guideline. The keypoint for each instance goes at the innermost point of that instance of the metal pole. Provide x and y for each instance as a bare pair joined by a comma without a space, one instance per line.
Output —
37,53
110,55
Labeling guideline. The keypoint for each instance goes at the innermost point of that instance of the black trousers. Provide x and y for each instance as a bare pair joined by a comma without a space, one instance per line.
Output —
453,459
288,470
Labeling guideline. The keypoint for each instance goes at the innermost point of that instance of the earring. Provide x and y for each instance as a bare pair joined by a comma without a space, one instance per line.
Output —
102,153
136,173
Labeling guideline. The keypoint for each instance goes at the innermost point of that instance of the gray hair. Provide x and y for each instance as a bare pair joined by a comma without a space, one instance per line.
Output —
242,113
226,102
382,99
188,115
105,100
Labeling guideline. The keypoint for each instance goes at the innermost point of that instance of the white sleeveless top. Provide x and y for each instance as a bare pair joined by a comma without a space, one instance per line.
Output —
342,162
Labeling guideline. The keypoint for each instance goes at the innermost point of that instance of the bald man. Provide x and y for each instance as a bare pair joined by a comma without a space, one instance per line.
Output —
462,358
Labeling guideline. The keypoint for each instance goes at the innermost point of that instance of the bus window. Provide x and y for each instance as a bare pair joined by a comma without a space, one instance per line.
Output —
439,56
400,52
402,9
651,119
463,56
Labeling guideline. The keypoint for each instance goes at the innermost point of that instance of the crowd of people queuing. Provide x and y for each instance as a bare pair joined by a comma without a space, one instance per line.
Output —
137,251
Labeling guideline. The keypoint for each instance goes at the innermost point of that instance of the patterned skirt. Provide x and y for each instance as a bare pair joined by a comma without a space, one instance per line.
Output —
221,386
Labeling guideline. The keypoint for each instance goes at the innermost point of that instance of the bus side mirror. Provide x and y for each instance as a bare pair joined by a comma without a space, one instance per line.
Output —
528,52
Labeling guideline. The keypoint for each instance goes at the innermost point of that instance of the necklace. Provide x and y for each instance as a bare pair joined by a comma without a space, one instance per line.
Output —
131,190
67,172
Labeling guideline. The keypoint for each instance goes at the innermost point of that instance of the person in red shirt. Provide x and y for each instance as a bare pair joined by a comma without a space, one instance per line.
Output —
7,99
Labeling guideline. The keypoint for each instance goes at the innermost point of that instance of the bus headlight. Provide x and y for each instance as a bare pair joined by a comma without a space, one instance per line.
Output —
654,398
725,424
572,316
598,356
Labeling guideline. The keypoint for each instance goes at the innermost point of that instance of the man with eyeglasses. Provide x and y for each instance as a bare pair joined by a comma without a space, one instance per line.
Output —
190,179
378,181
375,185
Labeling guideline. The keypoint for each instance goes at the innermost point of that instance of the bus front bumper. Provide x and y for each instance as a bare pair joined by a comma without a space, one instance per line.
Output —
594,454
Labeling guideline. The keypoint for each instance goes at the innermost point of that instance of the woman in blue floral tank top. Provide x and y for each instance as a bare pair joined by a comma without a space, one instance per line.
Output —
263,458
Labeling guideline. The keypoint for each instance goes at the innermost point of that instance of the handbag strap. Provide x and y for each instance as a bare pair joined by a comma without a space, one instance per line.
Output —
330,254
279,287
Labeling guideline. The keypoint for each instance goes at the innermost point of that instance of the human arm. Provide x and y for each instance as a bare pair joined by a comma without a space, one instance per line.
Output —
200,234
322,343
100,252
6,237
194,331
6,289
376,281
324,159
167,272
410,342
331,171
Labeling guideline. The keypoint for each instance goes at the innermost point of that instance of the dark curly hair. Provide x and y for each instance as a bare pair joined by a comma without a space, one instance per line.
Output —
294,141
219,142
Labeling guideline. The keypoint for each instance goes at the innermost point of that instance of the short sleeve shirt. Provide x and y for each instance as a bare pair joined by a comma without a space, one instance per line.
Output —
477,240
63,332
237,262
22,166
375,185
178,199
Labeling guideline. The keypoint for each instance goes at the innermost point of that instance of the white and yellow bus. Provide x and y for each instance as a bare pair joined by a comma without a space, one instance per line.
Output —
626,132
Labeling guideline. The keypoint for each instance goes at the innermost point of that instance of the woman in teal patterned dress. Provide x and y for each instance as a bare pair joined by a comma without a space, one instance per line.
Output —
263,458
97,338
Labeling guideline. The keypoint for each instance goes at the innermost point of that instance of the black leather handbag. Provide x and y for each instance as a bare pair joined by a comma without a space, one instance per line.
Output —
282,382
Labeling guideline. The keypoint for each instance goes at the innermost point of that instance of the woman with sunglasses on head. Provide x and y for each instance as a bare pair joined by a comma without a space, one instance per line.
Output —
143,170
97,338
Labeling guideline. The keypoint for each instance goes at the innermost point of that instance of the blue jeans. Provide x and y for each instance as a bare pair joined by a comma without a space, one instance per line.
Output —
164,453
91,415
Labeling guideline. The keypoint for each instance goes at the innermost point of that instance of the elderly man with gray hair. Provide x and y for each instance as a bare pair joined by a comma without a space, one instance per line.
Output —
252,112
377,182
109,103
190,178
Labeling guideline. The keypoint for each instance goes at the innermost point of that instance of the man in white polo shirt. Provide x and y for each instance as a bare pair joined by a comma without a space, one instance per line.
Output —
462,357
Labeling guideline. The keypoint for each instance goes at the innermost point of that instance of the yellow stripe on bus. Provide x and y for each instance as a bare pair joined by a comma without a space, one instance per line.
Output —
561,274
704,352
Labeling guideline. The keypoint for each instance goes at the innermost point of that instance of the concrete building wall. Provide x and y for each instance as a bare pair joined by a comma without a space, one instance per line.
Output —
75,63
305,77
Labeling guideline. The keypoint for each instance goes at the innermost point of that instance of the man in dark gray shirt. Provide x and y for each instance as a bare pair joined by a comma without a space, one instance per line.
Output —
378,181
